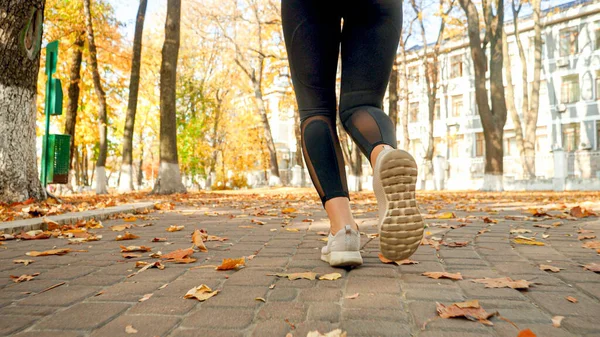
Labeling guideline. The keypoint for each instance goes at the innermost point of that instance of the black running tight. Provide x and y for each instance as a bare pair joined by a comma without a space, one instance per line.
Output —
368,40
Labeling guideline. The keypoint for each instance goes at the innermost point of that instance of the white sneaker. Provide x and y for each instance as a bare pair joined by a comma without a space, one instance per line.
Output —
400,223
343,248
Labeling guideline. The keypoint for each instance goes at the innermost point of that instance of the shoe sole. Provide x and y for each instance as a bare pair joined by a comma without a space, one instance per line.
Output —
343,259
400,223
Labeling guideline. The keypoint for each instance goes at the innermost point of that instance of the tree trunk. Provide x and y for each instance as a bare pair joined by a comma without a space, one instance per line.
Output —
262,110
126,181
20,62
73,94
492,118
393,96
405,91
102,114
510,105
169,175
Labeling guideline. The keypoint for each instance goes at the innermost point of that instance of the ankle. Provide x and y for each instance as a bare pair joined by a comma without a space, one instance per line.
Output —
338,227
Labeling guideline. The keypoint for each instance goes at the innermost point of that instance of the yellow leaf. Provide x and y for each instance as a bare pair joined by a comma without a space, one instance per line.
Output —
175,228
201,293
522,240
292,229
447,215
330,277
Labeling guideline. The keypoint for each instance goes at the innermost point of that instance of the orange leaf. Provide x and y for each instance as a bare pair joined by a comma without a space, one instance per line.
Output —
23,278
126,236
526,333
175,228
503,282
546,267
178,254
131,255
437,275
591,244
288,210
120,228
592,267
580,212
197,239
470,313
585,236
60,251
571,299
229,264
130,249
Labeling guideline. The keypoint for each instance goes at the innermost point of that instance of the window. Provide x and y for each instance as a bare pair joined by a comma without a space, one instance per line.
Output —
454,145
569,89
479,144
568,42
456,66
413,77
457,105
437,111
597,38
570,135
413,111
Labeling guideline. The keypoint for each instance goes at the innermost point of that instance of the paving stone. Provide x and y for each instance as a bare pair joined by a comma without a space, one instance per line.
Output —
64,295
375,328
558,305
233,296
372,285
45,333
282,294
146,325
329,312
11,324
271,328
319,295
83,316
370,301
304,328
128,291
229,318
292,311
160,305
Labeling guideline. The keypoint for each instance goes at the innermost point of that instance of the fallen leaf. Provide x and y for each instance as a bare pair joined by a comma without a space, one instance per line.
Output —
437,275
523,240
130,219
175,228
197,239
215,238
556,320
483,231
260,299
591,244
60,251
25,262
542,226
145,297
258,222
131,255
130,329
526,333
471,313
446,215
468,304
334,333
330,277
292,229
520,231
120,228
178,254
126,236
288,210
34,235
246,226
503,282
571,299
351,297
23,278
595,267
546,267
399,262
489,220
295,276
229,264
585,236
584,231
455,244
580,212
159,239
201,293
130,249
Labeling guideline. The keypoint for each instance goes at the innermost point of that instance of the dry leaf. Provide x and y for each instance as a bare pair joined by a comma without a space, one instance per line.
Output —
456,244
130,249
520,231
399,262
288,210
25,262
523,240
60,251
260,299
292,229
595,267
546,267
446,215
334,333
585,236
489,220
175,228
34,235
159,240
258,222
229,264
129,329
591,244
503,282
145,297
584,231
126,236
179,256
295,276
556,321
438,274
473,313
351,297
330,277
571,299
215,238
120,228
131,255
23,278
201,293
468,304
580,212
526,333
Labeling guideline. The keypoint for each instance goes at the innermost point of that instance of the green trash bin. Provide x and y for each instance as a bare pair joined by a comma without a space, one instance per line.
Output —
58,159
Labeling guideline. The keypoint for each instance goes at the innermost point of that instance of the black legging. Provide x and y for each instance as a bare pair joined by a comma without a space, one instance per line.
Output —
369,40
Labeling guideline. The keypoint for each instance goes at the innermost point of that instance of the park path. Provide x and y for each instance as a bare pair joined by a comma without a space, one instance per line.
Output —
98,299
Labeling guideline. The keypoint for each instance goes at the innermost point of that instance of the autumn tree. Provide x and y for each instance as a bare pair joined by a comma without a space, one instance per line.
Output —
525,135
20,38
431,66
169,175
102,113
249,26
126,181
493,117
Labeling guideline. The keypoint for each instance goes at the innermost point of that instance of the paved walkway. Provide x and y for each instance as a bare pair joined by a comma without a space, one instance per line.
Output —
98,299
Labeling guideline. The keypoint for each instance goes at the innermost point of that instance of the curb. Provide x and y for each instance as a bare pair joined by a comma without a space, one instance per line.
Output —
68,218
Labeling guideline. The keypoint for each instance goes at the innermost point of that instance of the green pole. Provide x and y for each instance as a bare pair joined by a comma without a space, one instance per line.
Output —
51,58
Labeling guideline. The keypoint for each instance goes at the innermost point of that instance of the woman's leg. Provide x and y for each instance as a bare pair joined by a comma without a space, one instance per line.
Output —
370,39
312,35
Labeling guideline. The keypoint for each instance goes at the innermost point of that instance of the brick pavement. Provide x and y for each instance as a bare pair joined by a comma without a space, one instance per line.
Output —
98,299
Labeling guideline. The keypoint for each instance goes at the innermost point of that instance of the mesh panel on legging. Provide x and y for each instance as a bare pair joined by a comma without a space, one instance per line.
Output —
368,126
323,156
